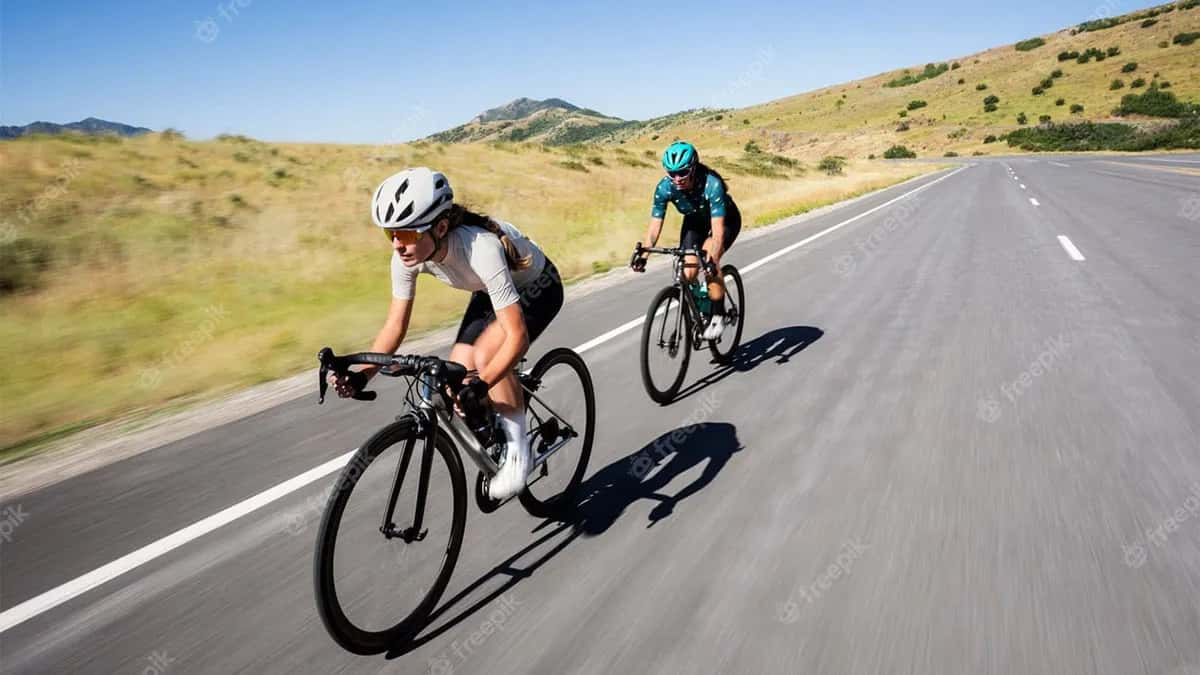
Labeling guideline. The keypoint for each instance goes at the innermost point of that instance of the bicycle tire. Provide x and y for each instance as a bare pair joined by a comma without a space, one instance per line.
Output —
726,356
684,349
340,627
555,504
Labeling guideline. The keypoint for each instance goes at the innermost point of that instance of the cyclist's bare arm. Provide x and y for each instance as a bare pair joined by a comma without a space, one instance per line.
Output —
386,342
654,231
717,241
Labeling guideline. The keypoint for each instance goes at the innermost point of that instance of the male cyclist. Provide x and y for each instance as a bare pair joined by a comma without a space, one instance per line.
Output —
711,220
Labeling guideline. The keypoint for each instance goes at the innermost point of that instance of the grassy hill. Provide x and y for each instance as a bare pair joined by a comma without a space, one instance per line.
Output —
861,118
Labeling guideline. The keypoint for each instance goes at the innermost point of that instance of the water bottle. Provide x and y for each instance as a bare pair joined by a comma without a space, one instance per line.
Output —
702,301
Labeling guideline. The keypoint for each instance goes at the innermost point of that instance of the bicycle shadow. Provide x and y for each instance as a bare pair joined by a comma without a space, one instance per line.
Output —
779,345
600,502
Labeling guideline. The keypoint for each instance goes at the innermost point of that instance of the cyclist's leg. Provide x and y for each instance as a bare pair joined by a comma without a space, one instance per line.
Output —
541,301
716,282
475,319
692,235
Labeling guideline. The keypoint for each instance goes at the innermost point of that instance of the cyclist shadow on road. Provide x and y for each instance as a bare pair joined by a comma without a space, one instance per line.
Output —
602,499
777,346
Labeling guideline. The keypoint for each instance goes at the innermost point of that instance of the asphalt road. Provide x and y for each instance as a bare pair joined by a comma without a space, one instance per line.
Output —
950,446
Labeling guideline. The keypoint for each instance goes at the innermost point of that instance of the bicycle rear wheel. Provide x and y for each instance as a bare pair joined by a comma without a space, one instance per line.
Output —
562,420
357,569
724,348
666,345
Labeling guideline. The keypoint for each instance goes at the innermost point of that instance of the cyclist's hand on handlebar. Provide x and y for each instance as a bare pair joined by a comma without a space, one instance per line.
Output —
638,262
348,384
472,396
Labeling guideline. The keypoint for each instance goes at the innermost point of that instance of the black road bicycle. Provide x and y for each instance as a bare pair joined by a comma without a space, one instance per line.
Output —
676,319
561,408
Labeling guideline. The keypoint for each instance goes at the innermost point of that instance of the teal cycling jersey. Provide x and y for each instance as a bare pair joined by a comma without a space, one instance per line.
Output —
710,199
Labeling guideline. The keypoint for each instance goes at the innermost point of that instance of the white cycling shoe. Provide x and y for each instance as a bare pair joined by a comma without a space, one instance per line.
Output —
715,327
509,481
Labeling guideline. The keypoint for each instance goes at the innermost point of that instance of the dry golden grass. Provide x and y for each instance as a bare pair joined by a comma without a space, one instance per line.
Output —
181,269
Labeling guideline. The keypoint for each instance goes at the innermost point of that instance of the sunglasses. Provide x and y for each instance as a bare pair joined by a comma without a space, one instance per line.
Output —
406,237
684,173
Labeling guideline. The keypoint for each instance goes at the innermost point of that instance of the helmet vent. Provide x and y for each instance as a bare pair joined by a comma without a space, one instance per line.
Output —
406,212
400,190
390,211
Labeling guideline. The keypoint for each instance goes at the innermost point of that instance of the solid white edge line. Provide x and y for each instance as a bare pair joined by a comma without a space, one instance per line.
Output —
58,595
1162,159
1070,248
1065,166
80,585
1034,201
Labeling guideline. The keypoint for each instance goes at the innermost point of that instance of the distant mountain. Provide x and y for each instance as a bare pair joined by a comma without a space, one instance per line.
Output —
552,121
89,126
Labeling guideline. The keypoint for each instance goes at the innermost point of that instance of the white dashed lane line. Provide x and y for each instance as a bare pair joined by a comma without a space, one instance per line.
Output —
1034,201
1070,249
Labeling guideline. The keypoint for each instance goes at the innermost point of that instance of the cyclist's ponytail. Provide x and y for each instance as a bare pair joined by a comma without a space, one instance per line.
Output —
706,170
460,215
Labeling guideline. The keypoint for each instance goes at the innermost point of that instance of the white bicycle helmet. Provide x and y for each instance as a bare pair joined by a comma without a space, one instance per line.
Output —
411,199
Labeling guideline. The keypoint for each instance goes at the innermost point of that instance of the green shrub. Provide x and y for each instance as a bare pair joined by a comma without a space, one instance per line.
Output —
1076,109
1030,44
1156,103
958,133
1091,136
833,165
1164,44
871,156
990,138
1129,67
1098,24
992,98
1138,83
950,153
899,152
955,66
22,263
745,121
961,81
1057,73
1112,51
931,71
1185,38
904,113
917,104
990,107
1149,22
1116,84
574,166
1068,55
1047,83
1022,119
1038,91
1164,85
1060,102
596,160
1044,119
980,87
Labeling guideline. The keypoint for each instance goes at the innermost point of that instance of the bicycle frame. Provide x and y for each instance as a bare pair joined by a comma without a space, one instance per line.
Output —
434,412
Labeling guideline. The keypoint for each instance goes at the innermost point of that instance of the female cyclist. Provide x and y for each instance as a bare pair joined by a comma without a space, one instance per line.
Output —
711,220
515,293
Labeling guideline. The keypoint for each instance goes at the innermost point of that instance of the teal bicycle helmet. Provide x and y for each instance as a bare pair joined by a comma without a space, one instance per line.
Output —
680,156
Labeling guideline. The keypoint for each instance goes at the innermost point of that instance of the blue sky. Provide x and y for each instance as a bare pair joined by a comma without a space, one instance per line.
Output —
373,72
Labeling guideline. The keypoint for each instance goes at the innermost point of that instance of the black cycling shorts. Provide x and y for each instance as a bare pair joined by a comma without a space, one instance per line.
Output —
698,227
540,301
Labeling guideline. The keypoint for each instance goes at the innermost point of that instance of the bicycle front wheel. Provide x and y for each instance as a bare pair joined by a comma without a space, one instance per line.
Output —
724,348
377,577
666,345
561,406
